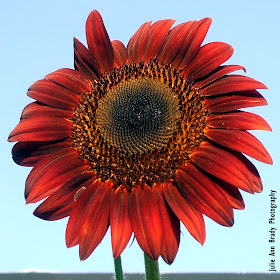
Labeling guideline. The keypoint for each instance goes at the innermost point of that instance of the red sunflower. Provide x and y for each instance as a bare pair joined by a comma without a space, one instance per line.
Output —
141,137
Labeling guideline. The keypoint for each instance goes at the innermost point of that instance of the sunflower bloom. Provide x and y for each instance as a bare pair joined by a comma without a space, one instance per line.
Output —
141,137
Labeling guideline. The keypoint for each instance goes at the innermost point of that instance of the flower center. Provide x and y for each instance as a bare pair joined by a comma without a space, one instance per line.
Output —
139,124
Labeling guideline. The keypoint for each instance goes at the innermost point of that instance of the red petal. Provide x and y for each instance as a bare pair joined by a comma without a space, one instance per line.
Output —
232,83
36,109
208,58
186,213
138,43
96,219
84,61
171,229
230,102
218,73
157,36
231,193
51,173
222,164
29,153
71,79
60,203
52,94
99,42
241,141
174,42
146,220
238,120
120,53
119,221
192,43
41,129
256,182
78,213
204,195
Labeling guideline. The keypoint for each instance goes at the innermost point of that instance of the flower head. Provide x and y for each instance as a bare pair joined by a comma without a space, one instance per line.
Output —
141,137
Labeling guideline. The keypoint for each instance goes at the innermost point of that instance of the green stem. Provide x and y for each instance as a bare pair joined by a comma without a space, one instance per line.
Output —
152,270
118,268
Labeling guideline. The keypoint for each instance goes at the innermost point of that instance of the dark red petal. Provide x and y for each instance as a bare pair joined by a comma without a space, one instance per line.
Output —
36,109
208,58
59,204
218,73
85,62
238,120
254,176
192,43
232,83
238,100
157,36
171,228
70,79
51,173
96,219
41,129
231,193
174,42
29,153
99,42
119,221
138,43
204,195
78,213
120,53
146,220
186,213
52,94
222,164
241,141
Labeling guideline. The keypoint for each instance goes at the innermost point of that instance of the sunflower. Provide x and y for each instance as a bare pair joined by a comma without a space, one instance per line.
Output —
141,137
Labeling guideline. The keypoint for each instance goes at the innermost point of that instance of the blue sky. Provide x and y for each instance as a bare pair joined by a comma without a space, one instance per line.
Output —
37,38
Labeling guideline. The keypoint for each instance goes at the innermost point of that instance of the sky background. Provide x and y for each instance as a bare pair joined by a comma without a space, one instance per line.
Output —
36,38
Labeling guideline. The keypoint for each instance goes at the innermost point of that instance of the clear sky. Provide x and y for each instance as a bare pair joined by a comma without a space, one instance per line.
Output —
36,38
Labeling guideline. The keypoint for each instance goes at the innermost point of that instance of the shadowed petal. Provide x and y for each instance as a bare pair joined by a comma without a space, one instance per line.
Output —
157,36
238,100
218,73
222,164
52,94
174,42
41,129
29,153
208,58
232,83
120,53
70,79
138,43
192,43
78,213
96,218
119,221
254,177
99,42
204,195
186,213
238,120
171,228
51,173
59,204
231,193
241,141
84,61
36,109
146,220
